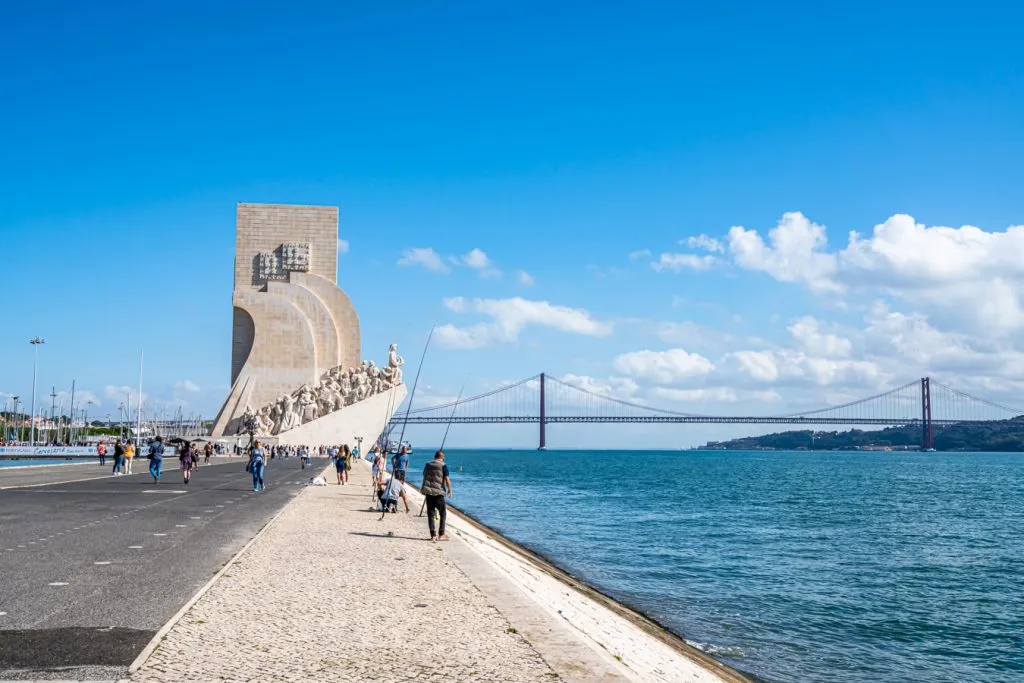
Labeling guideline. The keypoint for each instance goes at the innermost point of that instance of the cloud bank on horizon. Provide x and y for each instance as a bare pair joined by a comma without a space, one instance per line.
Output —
901,301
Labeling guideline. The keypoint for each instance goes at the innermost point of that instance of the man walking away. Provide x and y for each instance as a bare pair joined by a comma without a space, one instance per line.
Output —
156,458
400,463
435,483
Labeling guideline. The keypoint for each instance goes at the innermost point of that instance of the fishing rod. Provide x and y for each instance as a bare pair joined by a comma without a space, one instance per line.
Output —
408,408
445,439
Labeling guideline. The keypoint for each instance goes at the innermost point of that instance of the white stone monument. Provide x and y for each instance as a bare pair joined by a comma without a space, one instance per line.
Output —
296,371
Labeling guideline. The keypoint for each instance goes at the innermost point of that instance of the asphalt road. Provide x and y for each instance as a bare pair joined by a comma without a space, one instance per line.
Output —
91,569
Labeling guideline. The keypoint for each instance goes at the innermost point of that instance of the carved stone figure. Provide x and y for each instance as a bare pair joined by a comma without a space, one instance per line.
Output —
269,267
266,423
395,363
295,256
346,389
290,419
307,405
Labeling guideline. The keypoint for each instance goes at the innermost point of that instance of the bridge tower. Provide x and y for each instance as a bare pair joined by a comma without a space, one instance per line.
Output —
543,418
926,414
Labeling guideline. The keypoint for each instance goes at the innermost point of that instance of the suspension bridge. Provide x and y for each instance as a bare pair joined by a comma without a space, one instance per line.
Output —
545,400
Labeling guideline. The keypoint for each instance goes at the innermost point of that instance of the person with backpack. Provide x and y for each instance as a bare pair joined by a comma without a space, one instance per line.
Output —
156,458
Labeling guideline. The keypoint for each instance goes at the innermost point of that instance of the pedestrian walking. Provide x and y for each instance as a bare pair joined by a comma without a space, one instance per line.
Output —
340,464
129,455
400,463
257,463
101,450
156,458
207,451
118,458
186,458
436,483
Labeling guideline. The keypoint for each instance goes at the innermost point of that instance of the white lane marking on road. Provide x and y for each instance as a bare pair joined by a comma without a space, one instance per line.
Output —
195,517
184,526
104,562
162,491
3,614
58,583
135,547
220,506
229,502
159,534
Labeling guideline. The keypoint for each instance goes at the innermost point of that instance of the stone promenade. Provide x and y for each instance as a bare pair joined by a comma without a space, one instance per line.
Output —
325,594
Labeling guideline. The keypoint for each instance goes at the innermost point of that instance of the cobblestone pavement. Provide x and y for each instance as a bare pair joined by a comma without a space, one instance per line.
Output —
326,595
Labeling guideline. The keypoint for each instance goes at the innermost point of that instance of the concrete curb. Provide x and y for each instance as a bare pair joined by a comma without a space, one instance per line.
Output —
166,628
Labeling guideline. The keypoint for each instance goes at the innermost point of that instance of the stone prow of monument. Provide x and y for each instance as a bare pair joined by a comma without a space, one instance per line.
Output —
295,332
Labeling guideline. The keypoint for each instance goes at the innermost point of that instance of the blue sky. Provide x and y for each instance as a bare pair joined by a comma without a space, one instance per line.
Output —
584,144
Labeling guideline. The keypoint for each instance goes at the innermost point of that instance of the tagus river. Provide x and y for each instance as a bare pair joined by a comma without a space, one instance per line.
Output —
790,566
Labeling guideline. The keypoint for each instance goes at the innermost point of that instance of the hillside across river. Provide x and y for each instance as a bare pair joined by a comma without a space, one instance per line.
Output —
995,436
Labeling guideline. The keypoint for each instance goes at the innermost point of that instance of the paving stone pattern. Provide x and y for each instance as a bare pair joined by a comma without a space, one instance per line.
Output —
326,595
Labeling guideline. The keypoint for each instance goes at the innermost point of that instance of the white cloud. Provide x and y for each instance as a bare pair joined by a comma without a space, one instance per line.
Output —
808,333
186,385
509,317
119,394
704,242
789,366
424,256
662,367
792,255
681,262
456,303
477,260
716,395
342,246
616,387
639,254
965,278
472,337
525,279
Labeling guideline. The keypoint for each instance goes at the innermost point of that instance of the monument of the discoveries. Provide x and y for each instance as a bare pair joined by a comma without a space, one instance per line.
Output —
296,371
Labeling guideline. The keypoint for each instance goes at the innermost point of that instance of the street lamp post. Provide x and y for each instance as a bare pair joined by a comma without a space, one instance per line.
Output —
53,413
16,412
35,342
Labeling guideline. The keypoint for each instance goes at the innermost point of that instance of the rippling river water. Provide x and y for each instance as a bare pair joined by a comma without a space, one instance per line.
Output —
789,566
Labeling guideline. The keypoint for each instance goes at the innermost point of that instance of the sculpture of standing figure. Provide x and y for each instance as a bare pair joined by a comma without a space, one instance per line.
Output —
395,363
289,417
346,390
306,405
266,422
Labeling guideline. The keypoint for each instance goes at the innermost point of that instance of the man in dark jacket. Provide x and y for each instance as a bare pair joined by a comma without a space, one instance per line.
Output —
436,483
156,458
